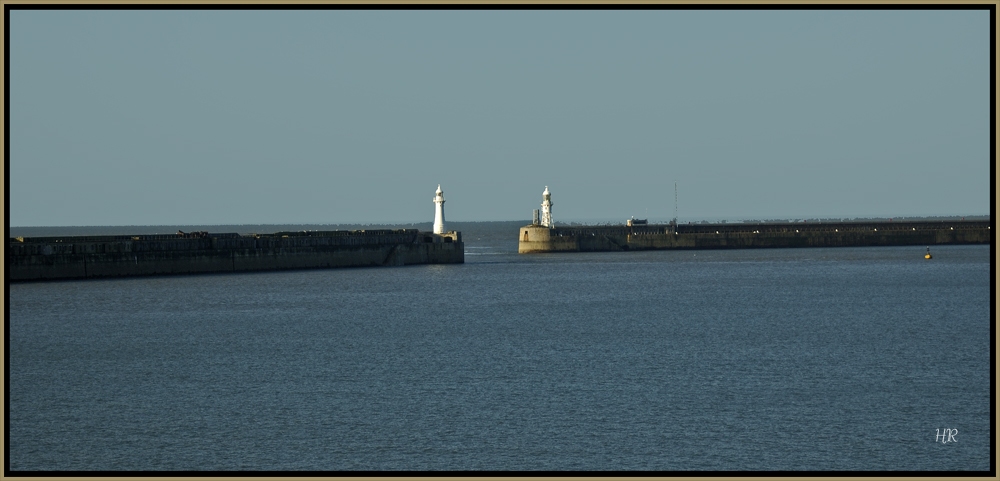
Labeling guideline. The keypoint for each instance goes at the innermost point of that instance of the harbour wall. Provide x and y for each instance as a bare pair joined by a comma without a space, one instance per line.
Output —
34,259
537,239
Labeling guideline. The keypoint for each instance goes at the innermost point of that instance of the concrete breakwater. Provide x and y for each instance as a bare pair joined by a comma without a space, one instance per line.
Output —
83,257
538,238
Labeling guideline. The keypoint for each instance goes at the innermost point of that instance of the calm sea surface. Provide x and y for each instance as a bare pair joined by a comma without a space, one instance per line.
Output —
783,359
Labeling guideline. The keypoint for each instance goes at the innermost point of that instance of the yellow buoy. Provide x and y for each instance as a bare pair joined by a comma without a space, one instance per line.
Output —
928,256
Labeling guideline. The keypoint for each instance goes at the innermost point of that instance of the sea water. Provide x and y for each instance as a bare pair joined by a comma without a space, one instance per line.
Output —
746,360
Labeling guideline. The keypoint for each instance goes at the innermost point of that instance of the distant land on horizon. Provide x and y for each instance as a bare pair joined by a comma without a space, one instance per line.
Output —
45,231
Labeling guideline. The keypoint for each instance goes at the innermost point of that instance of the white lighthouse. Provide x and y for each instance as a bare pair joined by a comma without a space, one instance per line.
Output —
439,212
547,208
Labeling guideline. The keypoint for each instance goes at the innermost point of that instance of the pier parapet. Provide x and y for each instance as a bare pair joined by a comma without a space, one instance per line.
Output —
81,257
533,238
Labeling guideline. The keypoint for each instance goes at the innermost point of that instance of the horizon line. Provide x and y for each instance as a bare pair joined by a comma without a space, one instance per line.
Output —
567,221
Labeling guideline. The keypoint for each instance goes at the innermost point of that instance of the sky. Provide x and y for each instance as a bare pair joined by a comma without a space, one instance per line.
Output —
191,117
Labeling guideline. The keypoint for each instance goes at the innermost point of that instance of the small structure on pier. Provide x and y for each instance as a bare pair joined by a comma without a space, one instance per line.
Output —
547,208
439,212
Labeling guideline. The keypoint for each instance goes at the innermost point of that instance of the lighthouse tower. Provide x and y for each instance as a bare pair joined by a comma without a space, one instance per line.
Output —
439,212
547,208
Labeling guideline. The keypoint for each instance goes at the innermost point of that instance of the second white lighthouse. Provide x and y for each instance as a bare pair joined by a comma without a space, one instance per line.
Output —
547,208
439,212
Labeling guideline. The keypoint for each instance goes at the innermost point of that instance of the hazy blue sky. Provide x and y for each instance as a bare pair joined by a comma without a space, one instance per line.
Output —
247,117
